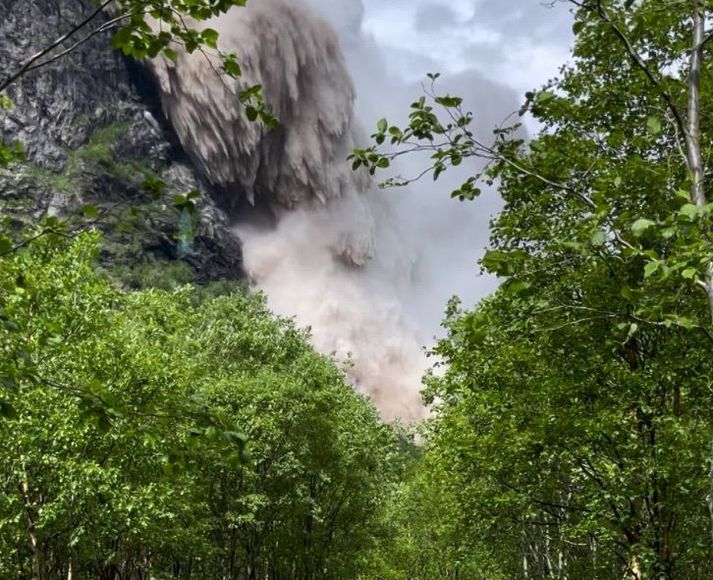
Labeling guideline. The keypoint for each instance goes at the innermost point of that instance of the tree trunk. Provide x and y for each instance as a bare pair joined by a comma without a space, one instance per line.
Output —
36,573
696,164
693,135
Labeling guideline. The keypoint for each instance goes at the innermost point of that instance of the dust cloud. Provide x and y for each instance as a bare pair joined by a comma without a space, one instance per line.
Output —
367,270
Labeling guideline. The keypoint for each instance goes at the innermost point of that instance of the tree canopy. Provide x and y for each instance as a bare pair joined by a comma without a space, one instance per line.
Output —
573,430
163,433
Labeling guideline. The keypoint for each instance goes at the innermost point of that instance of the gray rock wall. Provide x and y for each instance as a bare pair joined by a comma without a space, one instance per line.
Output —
90,137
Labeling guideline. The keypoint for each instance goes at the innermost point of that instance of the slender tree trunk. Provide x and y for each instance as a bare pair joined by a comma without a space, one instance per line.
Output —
696,164
693,136
709,499
635,568
36,573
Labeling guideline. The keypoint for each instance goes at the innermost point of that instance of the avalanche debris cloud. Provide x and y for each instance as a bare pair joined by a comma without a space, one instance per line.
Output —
367,270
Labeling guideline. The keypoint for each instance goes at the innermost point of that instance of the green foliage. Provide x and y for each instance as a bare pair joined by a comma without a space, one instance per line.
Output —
189,433
167,436
448,142
562,444
139,39
154,274
9,153
97,157
429,534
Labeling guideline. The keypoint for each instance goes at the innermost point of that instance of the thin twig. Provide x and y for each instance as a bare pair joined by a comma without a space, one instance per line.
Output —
37,56
108,25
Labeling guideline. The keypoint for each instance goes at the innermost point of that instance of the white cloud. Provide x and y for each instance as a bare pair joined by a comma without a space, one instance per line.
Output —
518,42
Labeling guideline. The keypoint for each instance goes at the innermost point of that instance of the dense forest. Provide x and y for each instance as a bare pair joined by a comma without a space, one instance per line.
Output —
156,423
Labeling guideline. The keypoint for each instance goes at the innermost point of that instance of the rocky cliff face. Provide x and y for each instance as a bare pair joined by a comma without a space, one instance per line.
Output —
91,136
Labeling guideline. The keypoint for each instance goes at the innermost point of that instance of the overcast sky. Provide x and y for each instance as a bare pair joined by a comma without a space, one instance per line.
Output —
518,42
491,52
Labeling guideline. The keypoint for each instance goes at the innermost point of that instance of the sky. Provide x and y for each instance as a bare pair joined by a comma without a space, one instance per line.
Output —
521,43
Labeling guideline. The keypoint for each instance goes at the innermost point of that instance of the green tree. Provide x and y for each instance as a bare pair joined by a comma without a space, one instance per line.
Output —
575,401
152,433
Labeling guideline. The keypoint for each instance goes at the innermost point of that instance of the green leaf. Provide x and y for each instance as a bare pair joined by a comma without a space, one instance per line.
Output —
494,261
122,38
449,102
231,66
154,186
90,210
685,322
210,37
599,238
5,244
669,232
516,286
688,211
633,329
651,268
544,97
251,113
653,125
170,54
640,226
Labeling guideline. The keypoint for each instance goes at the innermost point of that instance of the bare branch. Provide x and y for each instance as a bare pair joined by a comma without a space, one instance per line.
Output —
27,65
108,25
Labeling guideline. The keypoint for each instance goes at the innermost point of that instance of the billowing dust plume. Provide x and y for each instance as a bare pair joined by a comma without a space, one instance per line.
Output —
295,56
366,270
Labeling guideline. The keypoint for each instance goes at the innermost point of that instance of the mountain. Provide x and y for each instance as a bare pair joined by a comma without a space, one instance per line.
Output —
93,135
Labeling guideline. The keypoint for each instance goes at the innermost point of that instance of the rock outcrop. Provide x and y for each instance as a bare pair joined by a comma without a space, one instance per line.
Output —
92,135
